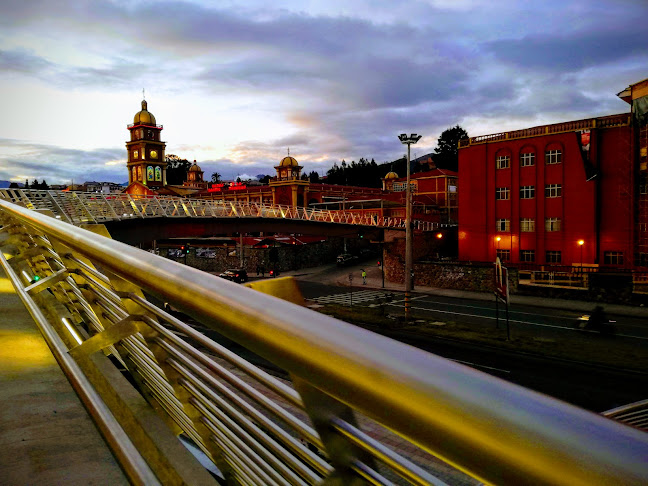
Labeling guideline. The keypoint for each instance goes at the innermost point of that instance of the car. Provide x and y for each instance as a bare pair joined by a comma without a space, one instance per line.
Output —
346,259
237,275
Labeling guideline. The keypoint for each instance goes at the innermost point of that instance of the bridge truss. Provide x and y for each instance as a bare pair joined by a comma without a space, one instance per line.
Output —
87,207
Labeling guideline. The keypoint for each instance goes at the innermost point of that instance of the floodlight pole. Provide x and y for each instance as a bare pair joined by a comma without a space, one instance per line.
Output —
409,247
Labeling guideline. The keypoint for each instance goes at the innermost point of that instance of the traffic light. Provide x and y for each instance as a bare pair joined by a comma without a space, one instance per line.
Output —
360,234
186,249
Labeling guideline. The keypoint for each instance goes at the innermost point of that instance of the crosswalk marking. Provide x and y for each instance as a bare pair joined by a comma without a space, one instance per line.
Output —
346,298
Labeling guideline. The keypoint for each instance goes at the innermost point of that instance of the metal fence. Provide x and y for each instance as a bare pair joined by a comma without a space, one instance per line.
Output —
88,207
343,383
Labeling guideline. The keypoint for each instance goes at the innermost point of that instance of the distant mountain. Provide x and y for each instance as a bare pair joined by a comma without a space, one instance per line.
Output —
4,184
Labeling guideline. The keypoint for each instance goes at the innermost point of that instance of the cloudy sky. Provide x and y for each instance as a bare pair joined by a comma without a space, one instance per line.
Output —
237,83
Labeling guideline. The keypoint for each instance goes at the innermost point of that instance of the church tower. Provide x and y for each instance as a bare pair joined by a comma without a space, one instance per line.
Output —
146,163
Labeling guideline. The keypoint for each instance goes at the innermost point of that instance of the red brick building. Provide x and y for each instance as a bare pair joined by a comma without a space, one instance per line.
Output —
569,193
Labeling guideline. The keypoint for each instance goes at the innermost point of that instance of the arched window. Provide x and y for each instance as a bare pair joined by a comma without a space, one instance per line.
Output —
158,174
527,156
150,174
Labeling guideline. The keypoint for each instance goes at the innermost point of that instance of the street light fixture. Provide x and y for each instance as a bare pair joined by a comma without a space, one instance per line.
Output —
409,250
581,243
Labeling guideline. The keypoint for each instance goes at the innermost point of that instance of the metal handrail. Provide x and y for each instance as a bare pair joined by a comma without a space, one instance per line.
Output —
493,430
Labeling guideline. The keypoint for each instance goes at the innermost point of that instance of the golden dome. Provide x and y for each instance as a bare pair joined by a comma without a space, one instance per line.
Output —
288,162
195,168
144,117
391,175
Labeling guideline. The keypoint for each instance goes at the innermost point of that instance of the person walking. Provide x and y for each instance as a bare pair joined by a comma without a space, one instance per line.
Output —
364,277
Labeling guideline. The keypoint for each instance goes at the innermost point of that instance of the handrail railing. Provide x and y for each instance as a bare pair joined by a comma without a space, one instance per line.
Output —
88,207
493,430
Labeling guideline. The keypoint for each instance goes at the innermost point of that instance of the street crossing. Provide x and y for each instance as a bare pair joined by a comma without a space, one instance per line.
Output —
359,297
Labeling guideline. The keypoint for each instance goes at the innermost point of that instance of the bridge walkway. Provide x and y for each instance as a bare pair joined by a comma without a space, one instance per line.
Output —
46,435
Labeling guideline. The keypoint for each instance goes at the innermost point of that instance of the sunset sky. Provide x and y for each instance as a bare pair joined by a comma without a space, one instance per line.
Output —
237,83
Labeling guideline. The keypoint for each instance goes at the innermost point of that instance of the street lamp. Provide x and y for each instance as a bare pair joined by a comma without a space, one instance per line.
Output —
498,239
581,243
409,250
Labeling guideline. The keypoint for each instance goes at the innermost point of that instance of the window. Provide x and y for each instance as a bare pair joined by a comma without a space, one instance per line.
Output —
527,225
553,156
643,227
136,154
643,183
503,161
553,257
613,257
502,193
552,224
642,259
504,255
502,225
527,192
527,160
553,190
527,256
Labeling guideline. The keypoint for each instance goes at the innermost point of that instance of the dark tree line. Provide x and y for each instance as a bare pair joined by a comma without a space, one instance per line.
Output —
35,184
176,171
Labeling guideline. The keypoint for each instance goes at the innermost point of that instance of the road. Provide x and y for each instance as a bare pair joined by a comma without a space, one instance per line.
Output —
594,388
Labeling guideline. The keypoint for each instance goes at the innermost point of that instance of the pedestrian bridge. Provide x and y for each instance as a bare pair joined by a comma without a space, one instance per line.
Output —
86,207
352,407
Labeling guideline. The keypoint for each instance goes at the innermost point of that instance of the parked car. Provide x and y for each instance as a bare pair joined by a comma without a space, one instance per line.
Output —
237,275
346,259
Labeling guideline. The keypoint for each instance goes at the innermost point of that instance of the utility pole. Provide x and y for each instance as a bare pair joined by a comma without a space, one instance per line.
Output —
409,248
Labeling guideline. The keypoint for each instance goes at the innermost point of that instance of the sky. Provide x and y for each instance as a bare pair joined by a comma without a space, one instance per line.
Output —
237,84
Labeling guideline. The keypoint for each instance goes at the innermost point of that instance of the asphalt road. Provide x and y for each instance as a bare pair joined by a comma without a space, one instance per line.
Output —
593,388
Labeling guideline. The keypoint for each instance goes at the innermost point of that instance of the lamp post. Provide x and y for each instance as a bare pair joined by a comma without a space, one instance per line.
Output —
497,239
409,250
581,243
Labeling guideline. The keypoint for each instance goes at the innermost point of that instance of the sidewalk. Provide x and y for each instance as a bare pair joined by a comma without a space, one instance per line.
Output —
332,275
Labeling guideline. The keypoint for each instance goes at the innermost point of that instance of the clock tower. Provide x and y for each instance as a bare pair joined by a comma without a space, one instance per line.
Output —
146,162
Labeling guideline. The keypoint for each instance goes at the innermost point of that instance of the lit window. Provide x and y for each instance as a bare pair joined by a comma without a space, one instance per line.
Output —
527,225
502,193
527,256
643,227
502,225
527,192
613,257
553,190
553,257
552,224
504,255
527,160
553,156
136,154
503,161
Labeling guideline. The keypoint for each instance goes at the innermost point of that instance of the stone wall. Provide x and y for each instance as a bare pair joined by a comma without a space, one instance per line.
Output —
291,257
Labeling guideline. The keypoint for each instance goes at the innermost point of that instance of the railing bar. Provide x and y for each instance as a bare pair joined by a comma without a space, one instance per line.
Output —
235,454
243,387
373,477
295,446
93,271
272,383
245,422
394,461
245,442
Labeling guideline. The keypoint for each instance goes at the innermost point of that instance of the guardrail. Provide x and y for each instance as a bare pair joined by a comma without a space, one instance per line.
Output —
89,207
344,382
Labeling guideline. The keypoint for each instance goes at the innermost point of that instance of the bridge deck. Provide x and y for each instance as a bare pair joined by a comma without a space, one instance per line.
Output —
46,435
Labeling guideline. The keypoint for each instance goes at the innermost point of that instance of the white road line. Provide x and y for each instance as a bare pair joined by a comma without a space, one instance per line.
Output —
519,322
479,366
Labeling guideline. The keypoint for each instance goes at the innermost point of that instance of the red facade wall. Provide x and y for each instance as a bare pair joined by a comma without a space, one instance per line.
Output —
576,207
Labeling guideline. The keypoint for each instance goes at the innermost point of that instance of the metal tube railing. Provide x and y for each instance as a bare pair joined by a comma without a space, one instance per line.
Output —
495,431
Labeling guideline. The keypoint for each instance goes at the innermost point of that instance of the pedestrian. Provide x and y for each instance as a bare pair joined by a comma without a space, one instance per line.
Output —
258,270
364,277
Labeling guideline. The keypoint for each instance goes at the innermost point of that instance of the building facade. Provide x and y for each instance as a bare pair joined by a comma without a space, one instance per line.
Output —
146,161
561,194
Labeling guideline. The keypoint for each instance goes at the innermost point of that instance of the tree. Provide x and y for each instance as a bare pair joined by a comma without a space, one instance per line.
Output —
44,185
26,184
313,177
35,184
447,149
177,168
263,179
216,177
